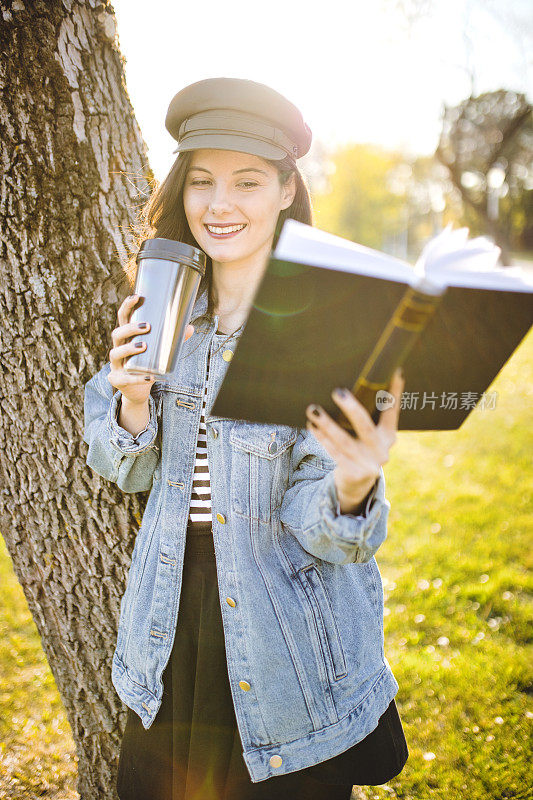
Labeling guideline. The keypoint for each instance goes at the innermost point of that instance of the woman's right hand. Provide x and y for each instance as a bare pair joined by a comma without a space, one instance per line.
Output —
134,388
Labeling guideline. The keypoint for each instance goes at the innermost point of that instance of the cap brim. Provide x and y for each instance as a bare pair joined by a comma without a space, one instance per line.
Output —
243,144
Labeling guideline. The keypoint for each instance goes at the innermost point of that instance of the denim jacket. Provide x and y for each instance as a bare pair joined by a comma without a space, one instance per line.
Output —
300,591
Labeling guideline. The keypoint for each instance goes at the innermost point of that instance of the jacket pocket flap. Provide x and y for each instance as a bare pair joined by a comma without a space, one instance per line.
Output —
264,440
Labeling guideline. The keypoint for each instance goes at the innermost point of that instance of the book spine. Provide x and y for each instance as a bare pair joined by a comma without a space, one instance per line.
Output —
391,350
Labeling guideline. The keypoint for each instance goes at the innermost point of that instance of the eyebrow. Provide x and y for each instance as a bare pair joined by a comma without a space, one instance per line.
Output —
246,169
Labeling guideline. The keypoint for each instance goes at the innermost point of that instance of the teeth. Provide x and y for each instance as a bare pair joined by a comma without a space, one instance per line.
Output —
229,229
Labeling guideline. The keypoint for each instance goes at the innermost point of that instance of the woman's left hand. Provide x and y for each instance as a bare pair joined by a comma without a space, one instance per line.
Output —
358,460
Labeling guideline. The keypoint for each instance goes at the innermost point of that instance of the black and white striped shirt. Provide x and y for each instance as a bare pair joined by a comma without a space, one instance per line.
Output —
200,518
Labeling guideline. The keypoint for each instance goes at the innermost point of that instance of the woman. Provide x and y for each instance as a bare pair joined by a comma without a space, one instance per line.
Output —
272,681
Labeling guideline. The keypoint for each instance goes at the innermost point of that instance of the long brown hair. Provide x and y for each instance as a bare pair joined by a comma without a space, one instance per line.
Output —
164,216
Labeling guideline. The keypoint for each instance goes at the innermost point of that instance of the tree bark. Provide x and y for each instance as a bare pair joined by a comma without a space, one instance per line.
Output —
74,171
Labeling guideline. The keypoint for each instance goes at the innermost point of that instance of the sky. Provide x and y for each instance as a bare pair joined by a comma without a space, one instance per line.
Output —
358,70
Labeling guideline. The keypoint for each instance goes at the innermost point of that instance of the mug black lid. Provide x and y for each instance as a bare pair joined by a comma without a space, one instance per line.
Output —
173,251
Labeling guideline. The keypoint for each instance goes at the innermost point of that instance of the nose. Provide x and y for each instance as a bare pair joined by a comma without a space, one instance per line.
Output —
220,201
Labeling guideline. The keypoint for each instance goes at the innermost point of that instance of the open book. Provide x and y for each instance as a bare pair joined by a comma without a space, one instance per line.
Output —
329,312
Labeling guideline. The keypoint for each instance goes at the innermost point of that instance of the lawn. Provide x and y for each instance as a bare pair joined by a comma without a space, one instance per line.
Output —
456,569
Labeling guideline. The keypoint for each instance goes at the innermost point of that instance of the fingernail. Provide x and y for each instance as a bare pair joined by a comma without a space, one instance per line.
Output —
139,344
314,410
341,393
148,378
143,324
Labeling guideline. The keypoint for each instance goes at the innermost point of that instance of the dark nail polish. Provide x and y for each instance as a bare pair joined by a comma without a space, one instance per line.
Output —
139,344
341,393
316,411
147,378
143,324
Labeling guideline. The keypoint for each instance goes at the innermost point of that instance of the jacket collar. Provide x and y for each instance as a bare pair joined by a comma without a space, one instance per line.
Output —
200,306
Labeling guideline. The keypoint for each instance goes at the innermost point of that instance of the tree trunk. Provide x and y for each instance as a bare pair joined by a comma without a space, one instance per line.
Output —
74,171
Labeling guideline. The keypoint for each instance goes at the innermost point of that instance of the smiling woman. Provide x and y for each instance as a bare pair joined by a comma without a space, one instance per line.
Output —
271,680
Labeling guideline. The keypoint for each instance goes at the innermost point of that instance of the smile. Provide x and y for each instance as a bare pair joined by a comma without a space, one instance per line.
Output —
224,231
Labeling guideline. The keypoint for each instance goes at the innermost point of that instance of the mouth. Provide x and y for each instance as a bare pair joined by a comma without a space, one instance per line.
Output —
224,231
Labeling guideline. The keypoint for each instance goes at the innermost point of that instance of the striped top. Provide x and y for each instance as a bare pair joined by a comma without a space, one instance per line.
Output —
200,518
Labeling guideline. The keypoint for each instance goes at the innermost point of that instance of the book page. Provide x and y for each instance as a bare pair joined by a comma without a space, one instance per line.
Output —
449,259
306,244
452,259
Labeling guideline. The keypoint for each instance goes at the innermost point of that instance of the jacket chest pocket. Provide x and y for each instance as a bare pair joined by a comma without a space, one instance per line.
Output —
260,468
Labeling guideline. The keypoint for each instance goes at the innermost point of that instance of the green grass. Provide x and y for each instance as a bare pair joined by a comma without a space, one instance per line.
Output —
456,568
37,752
456,572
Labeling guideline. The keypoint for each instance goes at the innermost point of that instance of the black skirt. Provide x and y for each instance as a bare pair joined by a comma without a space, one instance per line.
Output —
193,749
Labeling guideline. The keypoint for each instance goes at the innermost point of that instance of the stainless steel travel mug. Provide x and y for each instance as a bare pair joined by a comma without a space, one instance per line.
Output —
167,281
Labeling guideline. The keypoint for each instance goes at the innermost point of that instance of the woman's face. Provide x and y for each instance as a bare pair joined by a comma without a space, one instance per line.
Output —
225,188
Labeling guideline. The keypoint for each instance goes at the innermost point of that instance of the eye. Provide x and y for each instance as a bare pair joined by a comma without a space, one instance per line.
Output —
247,184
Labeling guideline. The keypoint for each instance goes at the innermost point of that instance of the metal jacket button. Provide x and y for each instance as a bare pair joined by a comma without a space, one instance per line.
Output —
227,355
273,447
245,686
221,518
231,602
276,761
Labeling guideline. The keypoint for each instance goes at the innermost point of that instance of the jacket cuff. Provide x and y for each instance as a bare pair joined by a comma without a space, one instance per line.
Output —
370,497
122,440
351,528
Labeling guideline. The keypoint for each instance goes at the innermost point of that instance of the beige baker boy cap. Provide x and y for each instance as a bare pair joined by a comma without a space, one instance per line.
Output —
237,114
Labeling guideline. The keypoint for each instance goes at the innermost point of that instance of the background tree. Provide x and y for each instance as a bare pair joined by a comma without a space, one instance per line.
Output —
429,202
481,176
486,143
383,199
73,162
358,203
